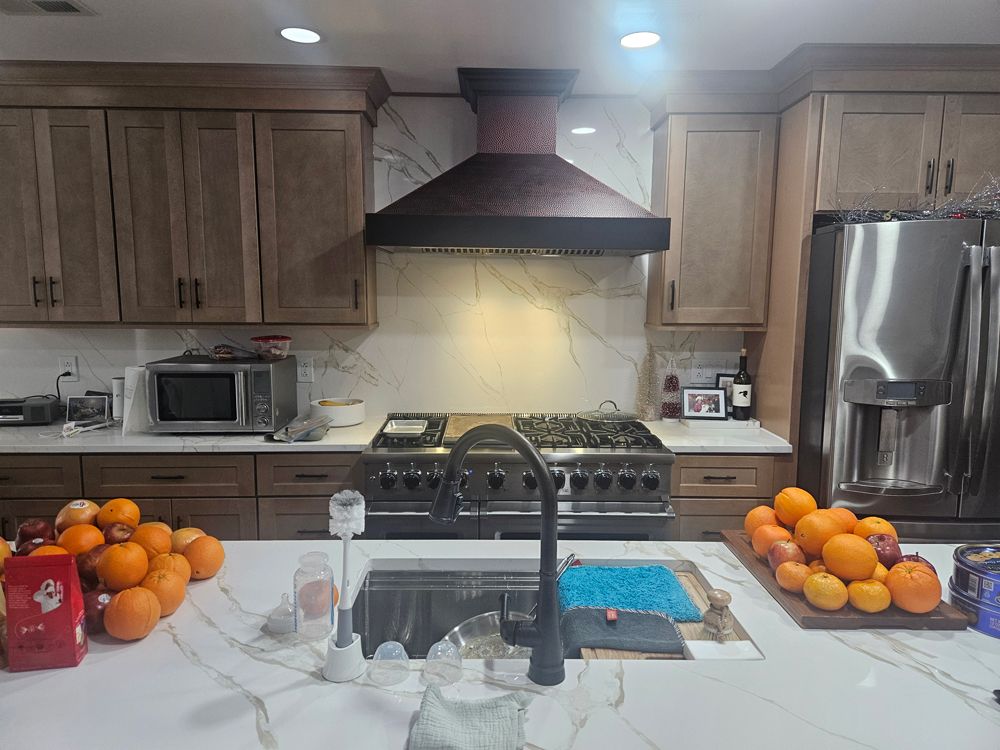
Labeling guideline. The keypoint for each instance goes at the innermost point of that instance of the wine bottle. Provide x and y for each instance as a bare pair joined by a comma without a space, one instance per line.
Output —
741,390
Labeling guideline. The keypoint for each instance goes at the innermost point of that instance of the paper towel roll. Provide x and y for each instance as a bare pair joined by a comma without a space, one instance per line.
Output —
117,398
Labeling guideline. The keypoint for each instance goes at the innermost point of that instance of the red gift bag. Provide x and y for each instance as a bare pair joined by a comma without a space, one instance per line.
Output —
45,618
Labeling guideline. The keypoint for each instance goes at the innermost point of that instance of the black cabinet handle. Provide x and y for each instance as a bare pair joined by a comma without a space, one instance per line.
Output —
174,477
3,527
35,281
5,479
949,176
311,476
356,298
180,293
313,532
673,293
929,185
712,534
197,293
52,291
717,478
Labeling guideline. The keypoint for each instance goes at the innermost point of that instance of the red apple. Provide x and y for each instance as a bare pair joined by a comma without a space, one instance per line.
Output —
887,549
86,564
785,551
917,559
35,528
116,533
29,546
94,604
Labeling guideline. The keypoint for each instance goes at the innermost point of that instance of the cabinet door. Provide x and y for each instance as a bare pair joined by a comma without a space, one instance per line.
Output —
22,293
970,144
301,518
879,150
74,191
221,201
228,518
45,475
150,226
18,511
310,187
720,189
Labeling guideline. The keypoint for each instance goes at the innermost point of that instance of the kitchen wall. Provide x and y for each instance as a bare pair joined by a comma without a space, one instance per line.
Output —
455,333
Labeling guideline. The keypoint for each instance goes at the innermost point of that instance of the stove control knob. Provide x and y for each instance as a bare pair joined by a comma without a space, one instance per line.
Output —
529,480
603,478
626,478
387,478
466,473
433,479
558,478
495,477
411,478
650,479
578,479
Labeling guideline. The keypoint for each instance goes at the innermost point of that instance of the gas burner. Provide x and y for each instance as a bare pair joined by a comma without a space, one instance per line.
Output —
570,431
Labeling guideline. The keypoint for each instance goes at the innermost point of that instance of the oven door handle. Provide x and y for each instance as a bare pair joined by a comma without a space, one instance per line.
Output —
664,513
400,514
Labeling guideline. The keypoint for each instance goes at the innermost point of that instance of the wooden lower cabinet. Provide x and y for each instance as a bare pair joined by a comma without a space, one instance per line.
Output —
171,475
701,519
228,518
722,476
44,476
294,517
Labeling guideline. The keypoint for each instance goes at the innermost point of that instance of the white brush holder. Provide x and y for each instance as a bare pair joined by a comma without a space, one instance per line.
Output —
344,664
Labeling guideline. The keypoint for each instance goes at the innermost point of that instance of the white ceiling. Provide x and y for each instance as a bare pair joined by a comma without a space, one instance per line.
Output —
419,43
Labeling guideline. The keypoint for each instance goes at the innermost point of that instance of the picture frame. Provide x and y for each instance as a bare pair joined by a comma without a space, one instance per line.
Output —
704,403
725,380
87,409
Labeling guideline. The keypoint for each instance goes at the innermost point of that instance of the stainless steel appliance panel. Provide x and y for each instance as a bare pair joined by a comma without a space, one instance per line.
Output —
411,520
630,520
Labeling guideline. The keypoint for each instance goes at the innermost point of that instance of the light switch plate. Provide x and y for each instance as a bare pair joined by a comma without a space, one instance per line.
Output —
305,372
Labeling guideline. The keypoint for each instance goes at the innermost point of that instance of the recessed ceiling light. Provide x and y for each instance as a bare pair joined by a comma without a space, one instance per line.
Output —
583,131
639,39
302,36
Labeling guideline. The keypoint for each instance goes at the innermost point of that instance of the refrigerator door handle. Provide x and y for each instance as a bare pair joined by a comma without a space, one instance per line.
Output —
991,259
959,469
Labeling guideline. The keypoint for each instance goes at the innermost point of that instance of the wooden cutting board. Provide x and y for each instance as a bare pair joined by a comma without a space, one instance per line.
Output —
459,424
943,617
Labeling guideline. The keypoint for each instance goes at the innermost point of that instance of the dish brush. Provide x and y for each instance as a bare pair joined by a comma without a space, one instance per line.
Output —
347,519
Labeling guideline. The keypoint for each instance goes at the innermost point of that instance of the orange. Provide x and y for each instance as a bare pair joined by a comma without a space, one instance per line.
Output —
80,538
880,573
122,566
158,524
825,591
153,539
792,576
168,587
868,595
874,525
847,517
48,549
914,587
119,510
816,529
767,535
206,556
762,515
817,566
182,537
132,614
4,552
173,562
850,557
793,503
76,512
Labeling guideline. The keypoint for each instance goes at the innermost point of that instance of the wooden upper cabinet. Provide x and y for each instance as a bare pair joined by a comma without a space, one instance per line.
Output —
150,224
880,150
311,195
74,191
221,201
970,144
719,192
22,292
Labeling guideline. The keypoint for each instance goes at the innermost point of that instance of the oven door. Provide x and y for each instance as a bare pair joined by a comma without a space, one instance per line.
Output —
643,521
199,399
395,520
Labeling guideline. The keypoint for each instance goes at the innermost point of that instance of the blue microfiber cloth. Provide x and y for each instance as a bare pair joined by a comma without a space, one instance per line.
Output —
647,588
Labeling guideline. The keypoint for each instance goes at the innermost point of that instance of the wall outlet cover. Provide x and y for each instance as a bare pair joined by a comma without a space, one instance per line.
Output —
305,372
68,363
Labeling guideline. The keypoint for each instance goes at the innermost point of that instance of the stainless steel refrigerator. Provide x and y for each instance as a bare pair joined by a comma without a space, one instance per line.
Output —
899,382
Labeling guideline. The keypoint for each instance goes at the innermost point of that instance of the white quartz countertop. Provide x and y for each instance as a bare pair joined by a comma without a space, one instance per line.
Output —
208,677
47,439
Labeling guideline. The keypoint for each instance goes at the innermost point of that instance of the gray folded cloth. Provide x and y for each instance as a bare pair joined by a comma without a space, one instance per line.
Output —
485,724
588,627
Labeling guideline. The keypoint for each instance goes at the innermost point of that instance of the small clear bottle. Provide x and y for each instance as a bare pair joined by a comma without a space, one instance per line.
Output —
313,585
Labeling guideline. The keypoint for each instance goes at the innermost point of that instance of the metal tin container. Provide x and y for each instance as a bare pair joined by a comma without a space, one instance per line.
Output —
982,616
977,572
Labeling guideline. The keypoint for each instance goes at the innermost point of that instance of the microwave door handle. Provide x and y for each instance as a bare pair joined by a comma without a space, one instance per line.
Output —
991,261
960,455
242,408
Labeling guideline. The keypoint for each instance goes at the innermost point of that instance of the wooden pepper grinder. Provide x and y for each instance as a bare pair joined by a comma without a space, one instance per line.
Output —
718,620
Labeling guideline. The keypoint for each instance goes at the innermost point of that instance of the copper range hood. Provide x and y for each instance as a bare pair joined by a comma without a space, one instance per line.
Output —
515,196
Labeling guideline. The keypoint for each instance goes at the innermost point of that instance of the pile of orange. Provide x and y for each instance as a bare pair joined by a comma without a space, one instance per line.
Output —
843,566
148,574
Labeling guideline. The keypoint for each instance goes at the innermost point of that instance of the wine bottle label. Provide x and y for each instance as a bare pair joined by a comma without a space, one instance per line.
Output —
741,395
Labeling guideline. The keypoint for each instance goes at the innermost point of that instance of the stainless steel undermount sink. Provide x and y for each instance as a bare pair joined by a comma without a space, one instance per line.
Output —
417,602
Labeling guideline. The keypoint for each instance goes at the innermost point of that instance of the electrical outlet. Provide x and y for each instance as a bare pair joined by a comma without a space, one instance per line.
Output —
698,372
305,370
67,363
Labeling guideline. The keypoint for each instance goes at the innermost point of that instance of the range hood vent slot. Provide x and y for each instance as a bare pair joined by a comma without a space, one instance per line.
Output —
45,8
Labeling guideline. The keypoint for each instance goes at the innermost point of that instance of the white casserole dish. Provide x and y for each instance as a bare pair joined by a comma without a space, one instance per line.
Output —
343,412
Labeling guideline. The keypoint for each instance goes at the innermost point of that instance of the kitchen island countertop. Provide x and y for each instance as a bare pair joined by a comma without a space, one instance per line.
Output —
208,677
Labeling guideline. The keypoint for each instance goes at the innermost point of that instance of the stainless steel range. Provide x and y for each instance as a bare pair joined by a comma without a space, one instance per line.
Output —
613,479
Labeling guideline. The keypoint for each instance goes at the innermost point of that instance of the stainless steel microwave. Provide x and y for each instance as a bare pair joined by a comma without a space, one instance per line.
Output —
201,394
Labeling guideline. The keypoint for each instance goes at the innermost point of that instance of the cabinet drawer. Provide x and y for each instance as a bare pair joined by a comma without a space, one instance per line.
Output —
40,476
226,518
168,476
705,528
302,474
294,518
722,476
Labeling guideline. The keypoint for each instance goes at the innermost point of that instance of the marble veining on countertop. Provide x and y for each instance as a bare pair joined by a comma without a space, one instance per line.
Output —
208,676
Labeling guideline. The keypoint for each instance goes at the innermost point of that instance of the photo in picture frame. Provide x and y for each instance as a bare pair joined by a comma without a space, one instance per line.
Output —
703,403
87,409
725,380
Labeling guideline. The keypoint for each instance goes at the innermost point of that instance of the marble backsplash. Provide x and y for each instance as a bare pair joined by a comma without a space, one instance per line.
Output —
455,333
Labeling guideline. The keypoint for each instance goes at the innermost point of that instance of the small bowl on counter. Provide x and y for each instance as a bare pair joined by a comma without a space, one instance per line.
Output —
271,348
343,412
